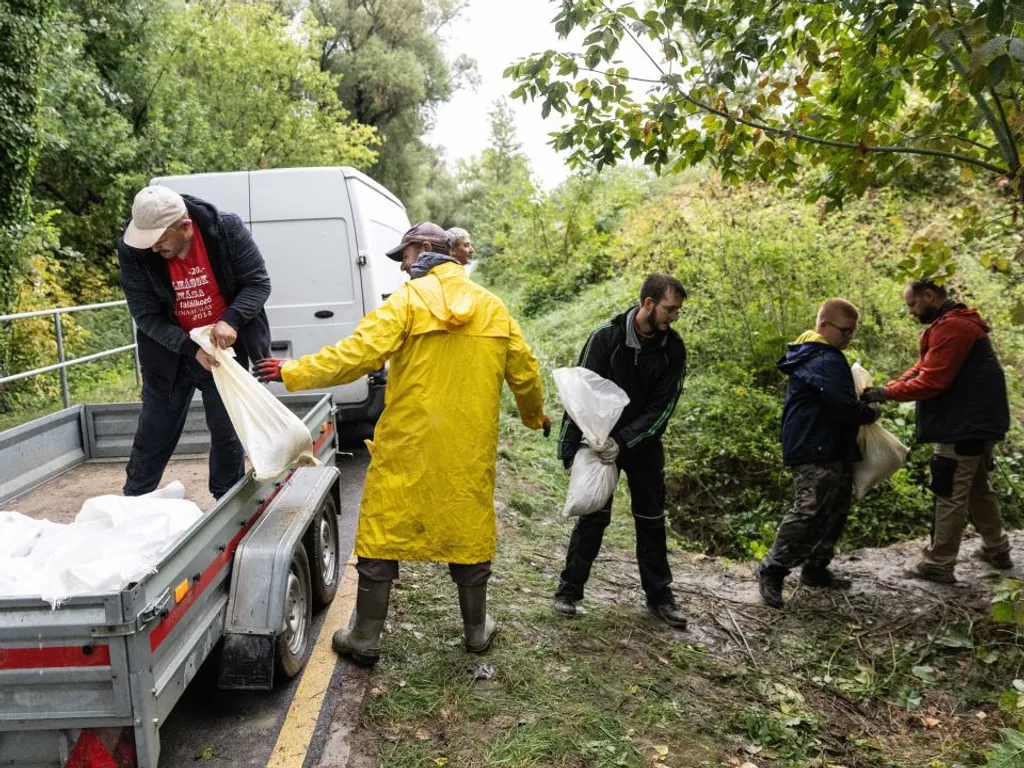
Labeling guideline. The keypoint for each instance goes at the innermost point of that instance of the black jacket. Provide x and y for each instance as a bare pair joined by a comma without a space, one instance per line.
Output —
822,413
241,277
652,377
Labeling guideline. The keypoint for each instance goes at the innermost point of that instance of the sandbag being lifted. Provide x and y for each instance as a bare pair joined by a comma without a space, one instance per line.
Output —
594,403
274,438
883,453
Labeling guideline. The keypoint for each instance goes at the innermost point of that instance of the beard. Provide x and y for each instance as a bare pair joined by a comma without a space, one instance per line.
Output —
928,314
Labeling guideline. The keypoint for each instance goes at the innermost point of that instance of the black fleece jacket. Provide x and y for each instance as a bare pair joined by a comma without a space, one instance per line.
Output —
652,377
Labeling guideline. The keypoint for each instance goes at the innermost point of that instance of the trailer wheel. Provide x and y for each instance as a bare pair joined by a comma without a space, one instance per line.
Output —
294,644
324,553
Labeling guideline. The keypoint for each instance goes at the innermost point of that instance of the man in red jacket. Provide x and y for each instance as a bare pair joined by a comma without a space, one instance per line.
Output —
960,391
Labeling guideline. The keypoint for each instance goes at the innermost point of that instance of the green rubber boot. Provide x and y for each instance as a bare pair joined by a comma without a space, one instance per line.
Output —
478,626
361,644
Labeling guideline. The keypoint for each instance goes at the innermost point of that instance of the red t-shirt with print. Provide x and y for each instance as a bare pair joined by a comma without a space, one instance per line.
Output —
198,300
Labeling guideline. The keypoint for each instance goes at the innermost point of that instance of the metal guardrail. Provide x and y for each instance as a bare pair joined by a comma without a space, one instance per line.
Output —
63,363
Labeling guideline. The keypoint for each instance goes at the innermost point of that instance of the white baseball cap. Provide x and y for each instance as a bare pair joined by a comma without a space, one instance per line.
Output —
154,210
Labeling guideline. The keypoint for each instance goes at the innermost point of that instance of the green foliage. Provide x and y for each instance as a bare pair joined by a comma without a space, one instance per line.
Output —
1010,753
127,90
394,73
22,27
861,92
855,86
134,90
757,264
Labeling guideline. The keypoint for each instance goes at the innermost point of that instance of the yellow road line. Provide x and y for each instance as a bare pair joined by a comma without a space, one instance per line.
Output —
300,722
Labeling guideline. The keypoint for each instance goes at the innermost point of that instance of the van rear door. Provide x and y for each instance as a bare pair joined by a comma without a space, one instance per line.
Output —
301,220
380,221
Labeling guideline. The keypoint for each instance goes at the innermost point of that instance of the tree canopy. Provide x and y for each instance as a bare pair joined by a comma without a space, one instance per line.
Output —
764,88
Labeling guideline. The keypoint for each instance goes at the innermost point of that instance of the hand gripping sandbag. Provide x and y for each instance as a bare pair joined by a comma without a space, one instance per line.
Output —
883,453
274,438
594,404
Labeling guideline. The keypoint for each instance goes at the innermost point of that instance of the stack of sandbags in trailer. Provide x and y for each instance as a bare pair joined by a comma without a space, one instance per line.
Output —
113,541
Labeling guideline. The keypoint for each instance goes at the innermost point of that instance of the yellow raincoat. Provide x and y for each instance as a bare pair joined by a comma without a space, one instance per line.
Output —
429,491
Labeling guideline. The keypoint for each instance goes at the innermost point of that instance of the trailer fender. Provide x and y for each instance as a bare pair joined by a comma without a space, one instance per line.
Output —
259,578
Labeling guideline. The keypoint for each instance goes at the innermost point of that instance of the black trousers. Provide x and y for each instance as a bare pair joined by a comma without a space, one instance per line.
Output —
645,471
161,424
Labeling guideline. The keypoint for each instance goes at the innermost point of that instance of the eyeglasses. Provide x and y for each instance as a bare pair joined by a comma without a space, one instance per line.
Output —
671,311
163,238
847,332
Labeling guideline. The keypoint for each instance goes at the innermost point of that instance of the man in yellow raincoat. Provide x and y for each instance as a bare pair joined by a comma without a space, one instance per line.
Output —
429,491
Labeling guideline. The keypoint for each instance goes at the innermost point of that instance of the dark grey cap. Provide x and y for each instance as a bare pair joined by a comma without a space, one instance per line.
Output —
426,232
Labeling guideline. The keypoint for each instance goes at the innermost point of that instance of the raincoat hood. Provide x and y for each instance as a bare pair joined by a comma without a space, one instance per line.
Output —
807,346
446,294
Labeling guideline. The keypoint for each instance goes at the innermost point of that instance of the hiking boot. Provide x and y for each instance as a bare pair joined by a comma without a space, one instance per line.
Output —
821,577
564,606
770,586
361,644
1000,560
479,628
669,613
929,572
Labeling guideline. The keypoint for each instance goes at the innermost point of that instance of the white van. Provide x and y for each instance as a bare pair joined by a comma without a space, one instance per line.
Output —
324,233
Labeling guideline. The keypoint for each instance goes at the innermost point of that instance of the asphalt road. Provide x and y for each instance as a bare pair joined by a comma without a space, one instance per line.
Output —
240,728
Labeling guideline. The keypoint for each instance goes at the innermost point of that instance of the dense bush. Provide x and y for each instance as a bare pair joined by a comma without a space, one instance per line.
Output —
757,263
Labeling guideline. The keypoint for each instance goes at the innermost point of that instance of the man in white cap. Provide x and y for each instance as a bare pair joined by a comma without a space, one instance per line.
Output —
184,264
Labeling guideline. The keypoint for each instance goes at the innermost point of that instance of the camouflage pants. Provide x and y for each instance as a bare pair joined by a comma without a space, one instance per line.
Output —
808,533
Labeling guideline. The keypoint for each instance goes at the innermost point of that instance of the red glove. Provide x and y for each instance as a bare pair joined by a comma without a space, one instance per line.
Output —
268,369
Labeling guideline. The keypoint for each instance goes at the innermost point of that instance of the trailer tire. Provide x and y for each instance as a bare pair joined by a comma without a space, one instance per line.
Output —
324,553
295,642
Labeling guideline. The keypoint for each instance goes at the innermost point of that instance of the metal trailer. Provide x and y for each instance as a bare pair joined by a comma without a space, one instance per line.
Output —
103,672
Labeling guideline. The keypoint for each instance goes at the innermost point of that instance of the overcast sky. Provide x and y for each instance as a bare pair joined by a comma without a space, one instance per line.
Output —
497,33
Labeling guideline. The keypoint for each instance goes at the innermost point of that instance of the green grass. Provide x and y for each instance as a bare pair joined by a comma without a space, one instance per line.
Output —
91,383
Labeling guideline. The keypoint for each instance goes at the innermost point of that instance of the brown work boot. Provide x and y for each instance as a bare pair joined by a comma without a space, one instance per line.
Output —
1000,560
929,572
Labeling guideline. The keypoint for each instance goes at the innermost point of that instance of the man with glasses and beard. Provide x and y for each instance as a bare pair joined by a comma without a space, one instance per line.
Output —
962,407
820,421
639,351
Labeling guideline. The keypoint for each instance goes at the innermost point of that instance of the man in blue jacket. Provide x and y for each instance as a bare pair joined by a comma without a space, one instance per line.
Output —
819,443
185,265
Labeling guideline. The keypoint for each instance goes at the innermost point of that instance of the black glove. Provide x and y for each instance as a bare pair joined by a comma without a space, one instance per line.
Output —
567,463
874,395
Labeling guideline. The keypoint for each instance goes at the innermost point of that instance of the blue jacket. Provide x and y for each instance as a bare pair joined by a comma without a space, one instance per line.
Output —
822,413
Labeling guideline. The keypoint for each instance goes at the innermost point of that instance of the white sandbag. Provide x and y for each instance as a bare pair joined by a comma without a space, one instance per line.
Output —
114,540
594,403
883,452
591,484
19,533
274,438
